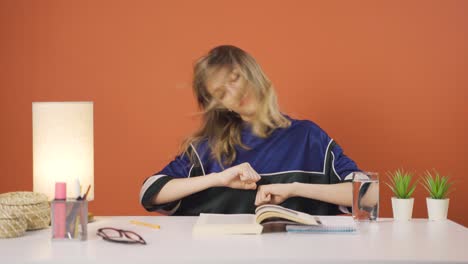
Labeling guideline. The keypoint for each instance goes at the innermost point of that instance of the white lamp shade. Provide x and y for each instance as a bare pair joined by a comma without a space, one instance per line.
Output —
63,147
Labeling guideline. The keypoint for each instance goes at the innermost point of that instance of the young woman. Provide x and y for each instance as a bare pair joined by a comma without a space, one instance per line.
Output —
247,152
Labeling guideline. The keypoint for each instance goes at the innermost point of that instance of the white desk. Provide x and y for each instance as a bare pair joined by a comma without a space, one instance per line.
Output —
383,242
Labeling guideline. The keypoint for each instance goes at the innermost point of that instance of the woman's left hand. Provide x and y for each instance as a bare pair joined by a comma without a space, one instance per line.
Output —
273,193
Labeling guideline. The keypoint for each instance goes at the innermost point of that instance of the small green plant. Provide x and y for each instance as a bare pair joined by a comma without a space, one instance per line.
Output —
437,185
400,184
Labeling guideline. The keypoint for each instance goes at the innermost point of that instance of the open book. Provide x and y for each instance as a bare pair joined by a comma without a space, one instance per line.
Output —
251,223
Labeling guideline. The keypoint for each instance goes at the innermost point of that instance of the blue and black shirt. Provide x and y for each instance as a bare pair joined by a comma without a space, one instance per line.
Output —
303,152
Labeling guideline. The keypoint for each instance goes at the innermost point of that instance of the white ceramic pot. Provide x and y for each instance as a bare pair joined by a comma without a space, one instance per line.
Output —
402,209
437,209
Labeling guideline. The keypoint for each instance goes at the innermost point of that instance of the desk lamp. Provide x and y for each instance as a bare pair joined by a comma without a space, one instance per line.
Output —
63,149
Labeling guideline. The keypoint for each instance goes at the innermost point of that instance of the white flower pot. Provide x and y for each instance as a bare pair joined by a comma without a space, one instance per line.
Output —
402,209
437,209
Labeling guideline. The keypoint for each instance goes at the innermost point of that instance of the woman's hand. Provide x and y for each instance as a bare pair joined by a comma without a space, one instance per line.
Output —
242,176
274,193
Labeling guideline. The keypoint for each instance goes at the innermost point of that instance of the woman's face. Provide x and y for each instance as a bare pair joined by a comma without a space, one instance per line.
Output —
230,89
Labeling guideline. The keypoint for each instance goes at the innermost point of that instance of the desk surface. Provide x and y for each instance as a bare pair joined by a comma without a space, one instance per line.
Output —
383,242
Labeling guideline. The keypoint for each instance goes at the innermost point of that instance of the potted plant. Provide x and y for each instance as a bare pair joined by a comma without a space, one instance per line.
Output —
402,202
438,187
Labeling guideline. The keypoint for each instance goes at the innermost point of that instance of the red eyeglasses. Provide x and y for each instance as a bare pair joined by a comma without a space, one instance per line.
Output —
120,236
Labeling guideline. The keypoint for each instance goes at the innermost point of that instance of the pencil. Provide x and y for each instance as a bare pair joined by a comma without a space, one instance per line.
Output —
135,222
75,235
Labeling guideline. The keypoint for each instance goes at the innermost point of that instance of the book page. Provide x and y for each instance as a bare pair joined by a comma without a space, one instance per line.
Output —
265,212
226,219
275,208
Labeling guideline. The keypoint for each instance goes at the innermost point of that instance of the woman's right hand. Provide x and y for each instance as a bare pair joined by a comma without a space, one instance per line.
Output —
241,176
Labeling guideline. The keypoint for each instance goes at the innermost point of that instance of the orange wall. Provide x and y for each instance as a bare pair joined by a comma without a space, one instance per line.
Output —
386,79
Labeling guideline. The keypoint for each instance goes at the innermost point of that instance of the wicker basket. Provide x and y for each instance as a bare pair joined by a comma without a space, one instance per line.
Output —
12,226
33,207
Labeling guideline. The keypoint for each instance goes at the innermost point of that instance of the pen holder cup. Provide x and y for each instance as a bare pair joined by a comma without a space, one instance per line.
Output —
69,219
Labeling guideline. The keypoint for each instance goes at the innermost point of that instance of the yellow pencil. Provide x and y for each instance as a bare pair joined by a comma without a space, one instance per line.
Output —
135,222
77,226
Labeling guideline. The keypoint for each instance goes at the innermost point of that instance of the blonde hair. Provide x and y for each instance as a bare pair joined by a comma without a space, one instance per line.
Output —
222,127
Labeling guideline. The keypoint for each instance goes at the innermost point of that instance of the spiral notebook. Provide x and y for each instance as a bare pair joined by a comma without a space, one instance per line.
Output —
328,224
